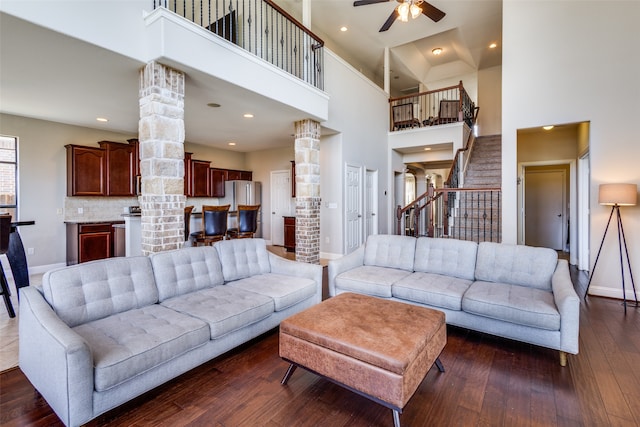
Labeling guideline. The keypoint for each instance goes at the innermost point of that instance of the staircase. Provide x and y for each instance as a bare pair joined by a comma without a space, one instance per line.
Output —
475,215
469,212
485,166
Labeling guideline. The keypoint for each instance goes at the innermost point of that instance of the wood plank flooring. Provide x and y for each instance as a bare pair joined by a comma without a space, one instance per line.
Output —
488,381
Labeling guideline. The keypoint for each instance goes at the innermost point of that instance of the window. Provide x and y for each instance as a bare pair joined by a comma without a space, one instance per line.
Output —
9,176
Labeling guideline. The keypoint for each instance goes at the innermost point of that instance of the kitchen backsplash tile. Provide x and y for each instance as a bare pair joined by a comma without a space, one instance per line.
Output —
97,208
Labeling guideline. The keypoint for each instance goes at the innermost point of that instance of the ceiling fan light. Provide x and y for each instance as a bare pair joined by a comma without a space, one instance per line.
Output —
403,11
415,11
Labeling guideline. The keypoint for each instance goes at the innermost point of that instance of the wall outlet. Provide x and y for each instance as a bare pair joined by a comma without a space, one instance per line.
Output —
59,211
326,239
30,251
80,211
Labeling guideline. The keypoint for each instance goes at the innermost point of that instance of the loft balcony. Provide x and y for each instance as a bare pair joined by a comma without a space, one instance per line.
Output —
260,27
436,117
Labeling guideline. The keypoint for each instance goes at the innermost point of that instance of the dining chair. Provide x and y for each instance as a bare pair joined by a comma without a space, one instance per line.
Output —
247,222
187,222
214,224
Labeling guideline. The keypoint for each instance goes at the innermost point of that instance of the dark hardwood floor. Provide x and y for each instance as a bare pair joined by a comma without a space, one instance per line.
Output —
488,382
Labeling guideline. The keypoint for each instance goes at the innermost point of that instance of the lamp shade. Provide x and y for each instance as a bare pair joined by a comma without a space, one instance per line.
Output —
618,194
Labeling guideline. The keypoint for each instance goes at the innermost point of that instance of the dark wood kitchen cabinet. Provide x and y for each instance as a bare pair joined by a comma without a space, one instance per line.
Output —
201,187
218,178
290,233
237,174
89,241
86,171
121,168
108,170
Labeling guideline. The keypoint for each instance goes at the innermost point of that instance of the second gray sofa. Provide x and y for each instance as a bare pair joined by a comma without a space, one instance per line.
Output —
518,292
101,333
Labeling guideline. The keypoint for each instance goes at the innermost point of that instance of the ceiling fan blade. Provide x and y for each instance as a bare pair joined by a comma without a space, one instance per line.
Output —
390,20
432,12
366,2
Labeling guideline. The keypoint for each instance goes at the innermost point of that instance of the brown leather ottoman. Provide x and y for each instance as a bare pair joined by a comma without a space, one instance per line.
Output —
378,348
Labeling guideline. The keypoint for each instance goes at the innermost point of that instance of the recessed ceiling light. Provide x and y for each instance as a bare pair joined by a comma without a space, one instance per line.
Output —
547,127
343,29
231,143
427,149
213,105
493,45
102,119
437,51
247,115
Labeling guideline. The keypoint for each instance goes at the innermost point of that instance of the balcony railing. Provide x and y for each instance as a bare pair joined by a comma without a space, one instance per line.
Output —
260,27
447,105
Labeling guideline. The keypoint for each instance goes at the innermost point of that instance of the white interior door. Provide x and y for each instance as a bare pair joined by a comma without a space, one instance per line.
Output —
371,203
280,204
544,213
353,208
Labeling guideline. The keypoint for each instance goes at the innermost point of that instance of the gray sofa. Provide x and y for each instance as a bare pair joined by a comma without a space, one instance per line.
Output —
101,333
518,292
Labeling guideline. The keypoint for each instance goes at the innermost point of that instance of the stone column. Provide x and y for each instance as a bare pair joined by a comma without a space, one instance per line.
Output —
307,149
161,135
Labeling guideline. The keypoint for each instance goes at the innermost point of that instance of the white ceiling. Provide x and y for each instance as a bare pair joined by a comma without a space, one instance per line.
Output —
49,76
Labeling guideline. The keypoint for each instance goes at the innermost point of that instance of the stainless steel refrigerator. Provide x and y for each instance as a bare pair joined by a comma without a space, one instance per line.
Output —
242,193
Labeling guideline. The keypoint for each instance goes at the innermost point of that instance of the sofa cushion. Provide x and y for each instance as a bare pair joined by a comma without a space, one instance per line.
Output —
224,308
450,257
511,303
516,264
435,290
127,344
94,290
369,280
390,251
242,258
186,270
285,291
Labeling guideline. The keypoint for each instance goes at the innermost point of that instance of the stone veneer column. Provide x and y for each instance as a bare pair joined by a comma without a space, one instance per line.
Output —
307,149
161,136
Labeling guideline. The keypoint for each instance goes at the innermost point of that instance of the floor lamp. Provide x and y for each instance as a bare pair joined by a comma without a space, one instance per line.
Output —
616,195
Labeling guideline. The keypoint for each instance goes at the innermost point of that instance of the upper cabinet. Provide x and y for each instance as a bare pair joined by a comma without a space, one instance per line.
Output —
200,178
113,169
86,171
108,170
218,178
233,175
121,168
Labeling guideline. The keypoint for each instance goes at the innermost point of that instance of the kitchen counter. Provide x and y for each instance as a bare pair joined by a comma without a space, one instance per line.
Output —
92,221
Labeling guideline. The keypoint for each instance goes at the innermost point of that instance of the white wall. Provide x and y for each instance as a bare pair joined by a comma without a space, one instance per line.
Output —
331,218
567,62
261,163
490,101
359,112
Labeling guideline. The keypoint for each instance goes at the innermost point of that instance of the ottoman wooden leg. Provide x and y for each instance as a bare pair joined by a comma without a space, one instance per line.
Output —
439,365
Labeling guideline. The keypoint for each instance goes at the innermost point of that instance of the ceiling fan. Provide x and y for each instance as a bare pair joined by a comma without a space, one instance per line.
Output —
404,9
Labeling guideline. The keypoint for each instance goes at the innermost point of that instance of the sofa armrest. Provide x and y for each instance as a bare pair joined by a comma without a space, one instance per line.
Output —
55,359
342,264
568,304
288,267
